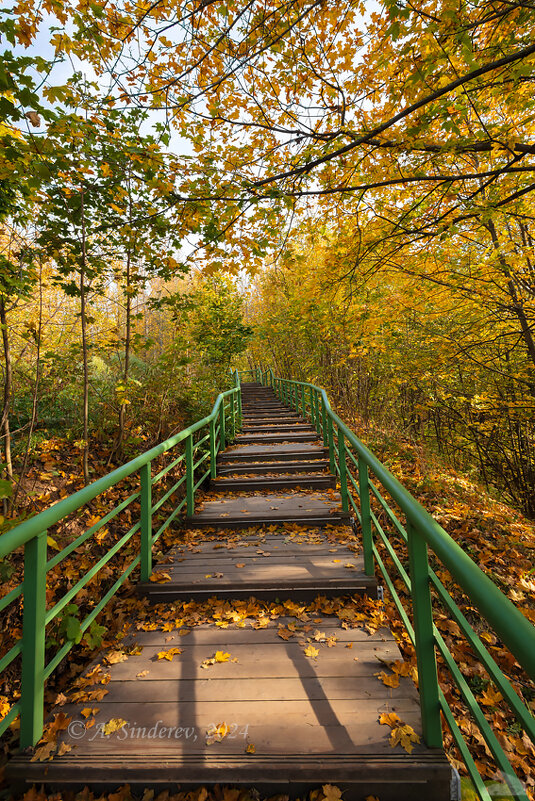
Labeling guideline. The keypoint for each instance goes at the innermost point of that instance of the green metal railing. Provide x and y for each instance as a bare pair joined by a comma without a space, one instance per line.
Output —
200,443
421,536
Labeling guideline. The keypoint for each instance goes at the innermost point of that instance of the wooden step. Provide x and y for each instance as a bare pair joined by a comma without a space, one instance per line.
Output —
269,483
262,406
267,567
275,451
273,466
285,436
313,509
312,721
276,427
273,418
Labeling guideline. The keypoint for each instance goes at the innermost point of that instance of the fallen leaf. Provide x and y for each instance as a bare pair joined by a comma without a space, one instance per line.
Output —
142,674
405,736
389,680
44,752
284,634
491,697
331,792
390,719
216,733
311,652
89,711
169,654
113,725
114,657
221,656
160,578
251,749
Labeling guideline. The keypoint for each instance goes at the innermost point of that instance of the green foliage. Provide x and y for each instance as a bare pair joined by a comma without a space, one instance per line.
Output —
6,489
68,626
218,328
93,636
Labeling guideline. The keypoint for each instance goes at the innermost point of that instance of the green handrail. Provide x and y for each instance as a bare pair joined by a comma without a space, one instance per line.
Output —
223,421
421,534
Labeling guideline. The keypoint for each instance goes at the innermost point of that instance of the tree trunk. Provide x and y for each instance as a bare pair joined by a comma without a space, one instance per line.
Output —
7,396
85,359
517,305
33,418
127,346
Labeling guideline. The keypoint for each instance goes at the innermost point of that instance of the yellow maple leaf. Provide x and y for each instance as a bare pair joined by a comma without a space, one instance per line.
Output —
169,654
113,725
390,719
216,733
89,711
404,736
491,697
5,706
251,749
312,652
221,656
331,792
389,680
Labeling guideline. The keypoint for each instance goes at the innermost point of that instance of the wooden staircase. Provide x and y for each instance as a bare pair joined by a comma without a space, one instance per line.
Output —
270,528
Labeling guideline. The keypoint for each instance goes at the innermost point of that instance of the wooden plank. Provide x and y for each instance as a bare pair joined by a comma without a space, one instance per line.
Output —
296,507
249,689
207,634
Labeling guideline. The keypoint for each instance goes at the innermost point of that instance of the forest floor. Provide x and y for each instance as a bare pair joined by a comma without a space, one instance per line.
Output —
498,538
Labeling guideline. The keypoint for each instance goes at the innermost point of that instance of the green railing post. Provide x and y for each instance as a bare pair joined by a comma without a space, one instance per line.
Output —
146,522
324,421
222,436
33,641
366,518
312,409
240,410
303,401
330,438
342,468
190,495
232,418
213,454
425,641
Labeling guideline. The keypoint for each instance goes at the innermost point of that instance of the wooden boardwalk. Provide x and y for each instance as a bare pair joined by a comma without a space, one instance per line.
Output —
295,700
